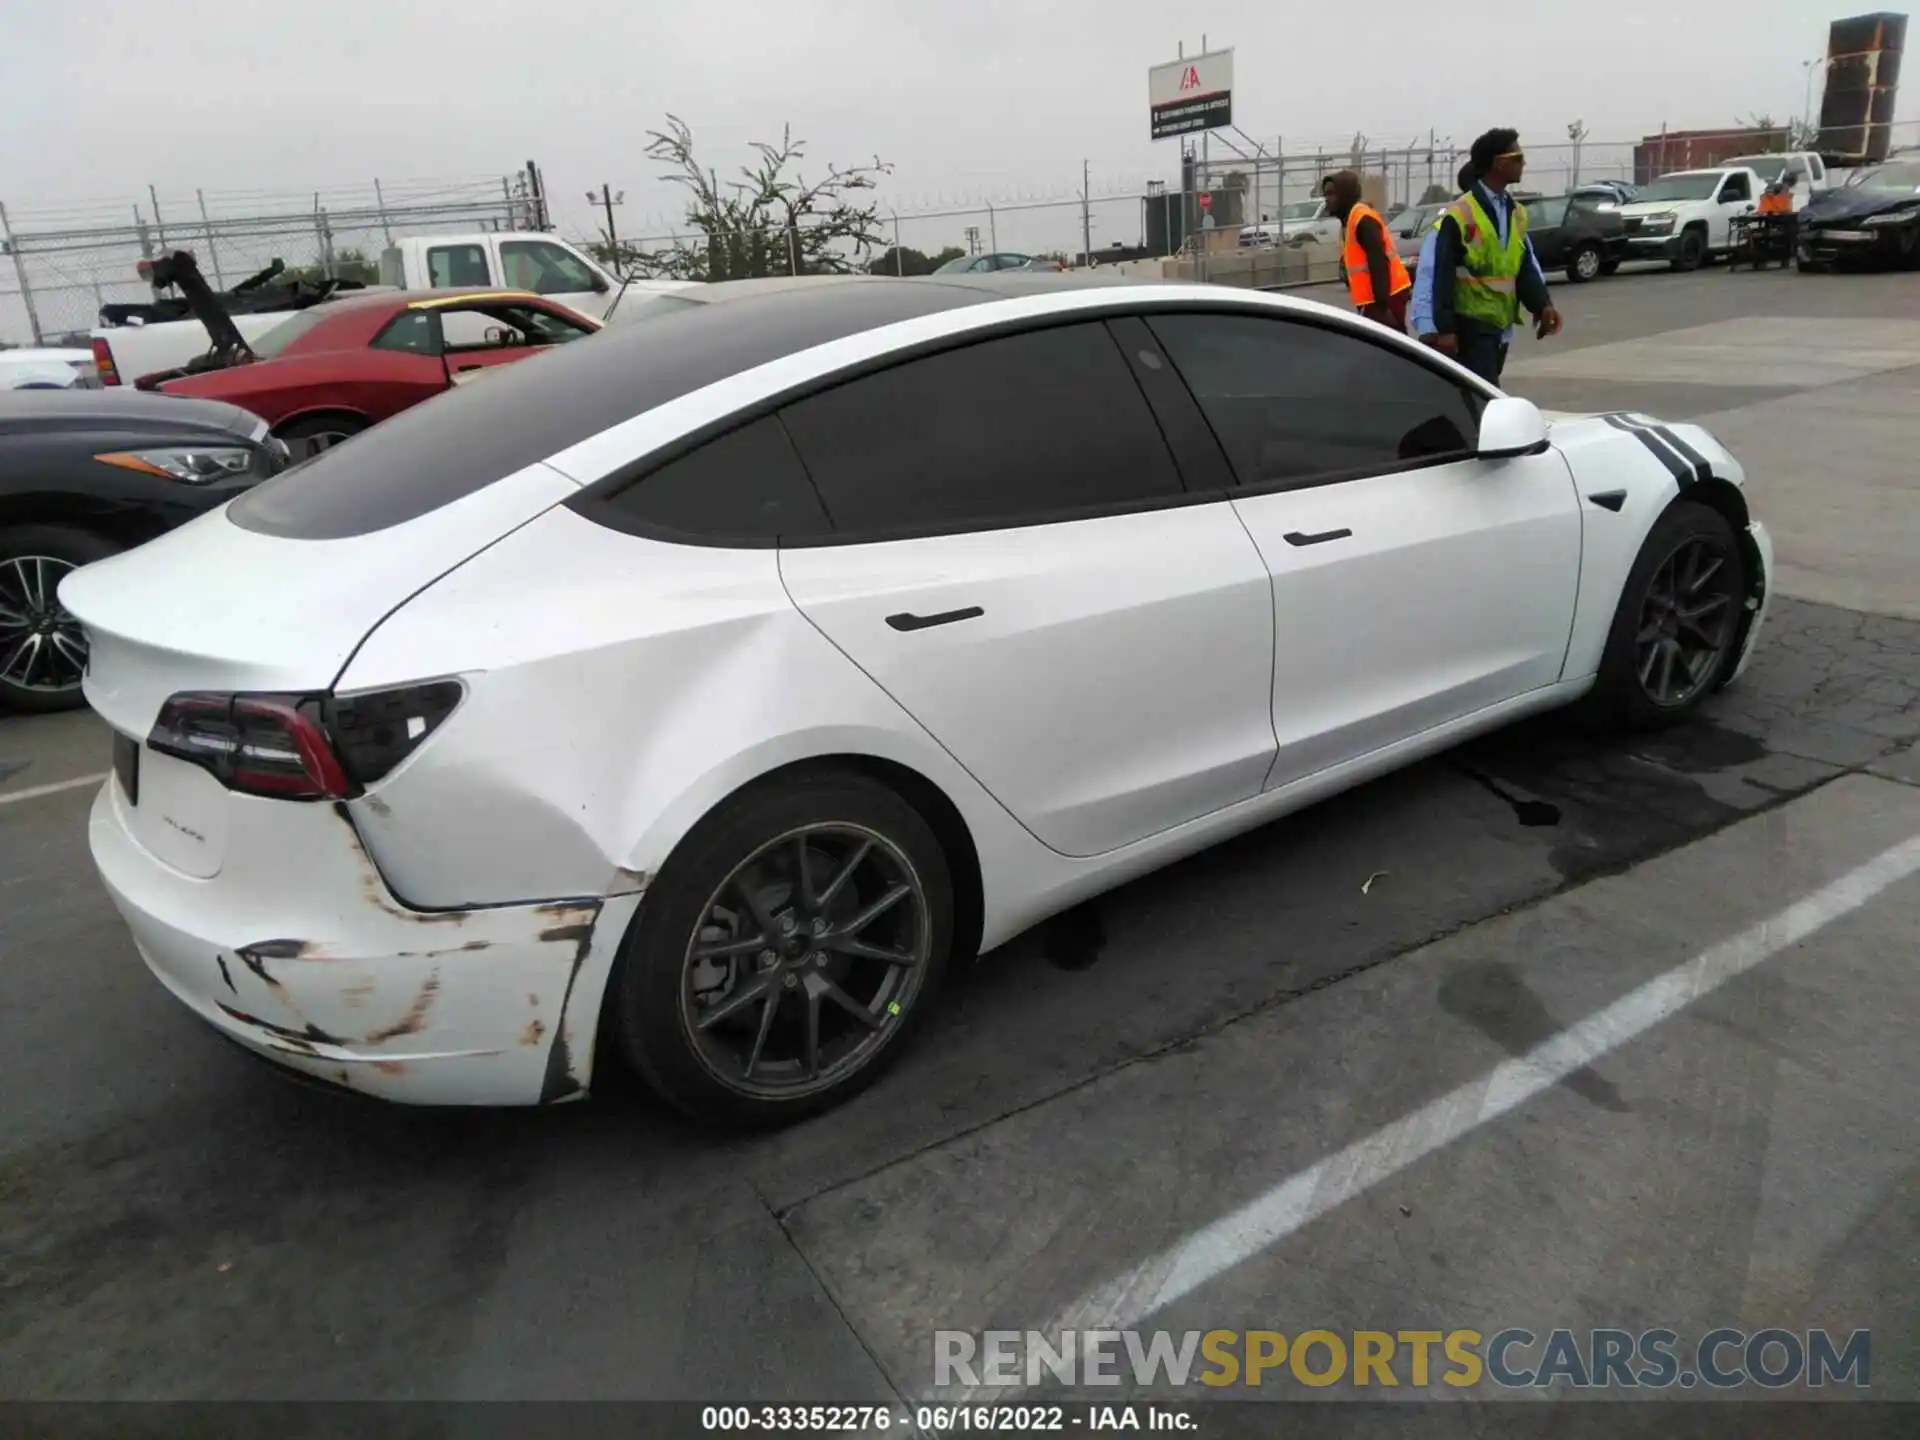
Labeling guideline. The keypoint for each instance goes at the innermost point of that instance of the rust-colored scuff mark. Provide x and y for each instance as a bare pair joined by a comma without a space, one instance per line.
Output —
374,886
390,1067
534,1031
569,912
415,1019
534,1000
626,881
569,934
358,993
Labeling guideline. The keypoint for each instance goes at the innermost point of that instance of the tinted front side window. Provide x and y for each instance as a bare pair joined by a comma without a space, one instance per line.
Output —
1012,431
1295,404
745,485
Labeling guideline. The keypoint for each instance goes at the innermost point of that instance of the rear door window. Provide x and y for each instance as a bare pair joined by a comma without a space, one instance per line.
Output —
1044,425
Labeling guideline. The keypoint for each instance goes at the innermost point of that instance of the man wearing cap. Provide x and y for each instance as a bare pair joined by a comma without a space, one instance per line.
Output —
1376,277
1484,269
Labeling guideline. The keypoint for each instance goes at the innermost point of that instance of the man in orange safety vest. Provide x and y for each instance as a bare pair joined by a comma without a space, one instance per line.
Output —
1376,278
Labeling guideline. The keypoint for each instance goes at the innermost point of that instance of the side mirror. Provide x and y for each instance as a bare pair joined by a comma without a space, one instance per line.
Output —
600,285
1510,427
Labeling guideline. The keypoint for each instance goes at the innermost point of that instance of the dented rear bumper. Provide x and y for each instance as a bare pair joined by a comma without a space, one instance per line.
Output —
297,950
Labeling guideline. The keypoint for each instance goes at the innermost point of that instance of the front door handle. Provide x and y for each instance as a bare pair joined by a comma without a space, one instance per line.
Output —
1295,537
907,621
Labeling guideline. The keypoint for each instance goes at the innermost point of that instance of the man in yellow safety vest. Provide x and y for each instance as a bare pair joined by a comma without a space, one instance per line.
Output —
1484,268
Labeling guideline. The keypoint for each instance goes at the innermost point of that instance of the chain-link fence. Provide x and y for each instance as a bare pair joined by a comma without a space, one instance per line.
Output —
58,268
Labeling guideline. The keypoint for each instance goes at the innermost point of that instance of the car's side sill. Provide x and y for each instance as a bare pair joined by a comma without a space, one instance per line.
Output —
1100,873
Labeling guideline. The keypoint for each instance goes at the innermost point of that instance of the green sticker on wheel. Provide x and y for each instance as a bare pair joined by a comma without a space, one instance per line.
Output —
893,1007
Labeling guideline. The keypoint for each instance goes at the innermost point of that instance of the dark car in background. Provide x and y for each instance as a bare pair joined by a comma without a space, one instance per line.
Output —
85,474
1575,234
1874,219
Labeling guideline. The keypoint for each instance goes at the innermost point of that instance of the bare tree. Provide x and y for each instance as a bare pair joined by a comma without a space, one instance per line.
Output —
771,221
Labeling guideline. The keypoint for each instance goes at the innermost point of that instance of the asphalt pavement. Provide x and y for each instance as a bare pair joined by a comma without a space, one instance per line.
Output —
1545,1033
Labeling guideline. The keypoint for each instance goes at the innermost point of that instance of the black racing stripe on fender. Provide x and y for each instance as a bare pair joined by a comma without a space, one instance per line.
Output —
1701,469
1682,472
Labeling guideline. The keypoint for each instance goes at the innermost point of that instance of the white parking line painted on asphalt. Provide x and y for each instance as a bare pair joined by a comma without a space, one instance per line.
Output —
1128,1301
13,797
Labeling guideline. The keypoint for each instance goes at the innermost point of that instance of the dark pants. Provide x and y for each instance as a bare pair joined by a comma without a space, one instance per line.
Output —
1482,351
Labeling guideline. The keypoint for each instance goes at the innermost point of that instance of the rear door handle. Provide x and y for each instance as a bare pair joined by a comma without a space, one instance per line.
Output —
1295,537
908,621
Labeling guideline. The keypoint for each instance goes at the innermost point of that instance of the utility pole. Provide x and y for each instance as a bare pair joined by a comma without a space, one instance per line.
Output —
606,200
380,199
1576,132
1806,105
1086,212
158,223
213,252
20,274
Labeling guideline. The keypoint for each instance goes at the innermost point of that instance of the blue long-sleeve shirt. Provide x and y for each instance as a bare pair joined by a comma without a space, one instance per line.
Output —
1449,248
1420,308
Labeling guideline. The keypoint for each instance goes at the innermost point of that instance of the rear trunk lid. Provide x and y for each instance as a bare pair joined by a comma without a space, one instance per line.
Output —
214,606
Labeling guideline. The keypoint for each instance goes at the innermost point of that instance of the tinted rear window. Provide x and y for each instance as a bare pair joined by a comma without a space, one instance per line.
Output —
462,441
1013,431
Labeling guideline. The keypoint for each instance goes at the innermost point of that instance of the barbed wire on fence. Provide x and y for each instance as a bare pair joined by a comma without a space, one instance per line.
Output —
59,264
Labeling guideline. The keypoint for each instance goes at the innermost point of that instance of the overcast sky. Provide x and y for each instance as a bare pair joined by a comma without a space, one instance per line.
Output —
966,98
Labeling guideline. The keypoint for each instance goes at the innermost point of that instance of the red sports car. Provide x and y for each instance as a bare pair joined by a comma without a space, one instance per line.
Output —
331,371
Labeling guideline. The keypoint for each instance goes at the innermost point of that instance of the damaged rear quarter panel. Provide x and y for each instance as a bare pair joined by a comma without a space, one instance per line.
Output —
618,688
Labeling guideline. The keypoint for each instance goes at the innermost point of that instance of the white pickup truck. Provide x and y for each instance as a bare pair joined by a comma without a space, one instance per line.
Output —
508,260
1686,218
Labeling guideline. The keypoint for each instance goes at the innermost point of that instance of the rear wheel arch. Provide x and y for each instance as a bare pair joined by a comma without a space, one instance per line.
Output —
926,797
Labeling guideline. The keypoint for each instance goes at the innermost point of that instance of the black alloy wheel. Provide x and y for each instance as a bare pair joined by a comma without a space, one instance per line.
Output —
806,957
1677,629
785,950
43,649
1687,623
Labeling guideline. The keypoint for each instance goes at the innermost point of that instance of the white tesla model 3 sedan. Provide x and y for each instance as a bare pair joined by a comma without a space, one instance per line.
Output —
695,697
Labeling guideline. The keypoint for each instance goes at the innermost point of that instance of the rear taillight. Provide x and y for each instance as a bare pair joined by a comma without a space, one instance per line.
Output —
375,730
302,747
103,362
271,745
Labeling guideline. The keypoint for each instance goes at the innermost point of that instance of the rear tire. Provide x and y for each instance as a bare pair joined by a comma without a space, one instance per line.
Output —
1645,625
43,651
307,438
1693,252
1585,265
794,1008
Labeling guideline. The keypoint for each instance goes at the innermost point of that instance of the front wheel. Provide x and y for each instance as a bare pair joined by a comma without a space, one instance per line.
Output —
43,650
1676,630
1692,253
307,438
1585,265
785,951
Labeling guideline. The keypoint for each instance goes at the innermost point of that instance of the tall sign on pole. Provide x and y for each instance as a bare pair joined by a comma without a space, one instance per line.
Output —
1191,94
